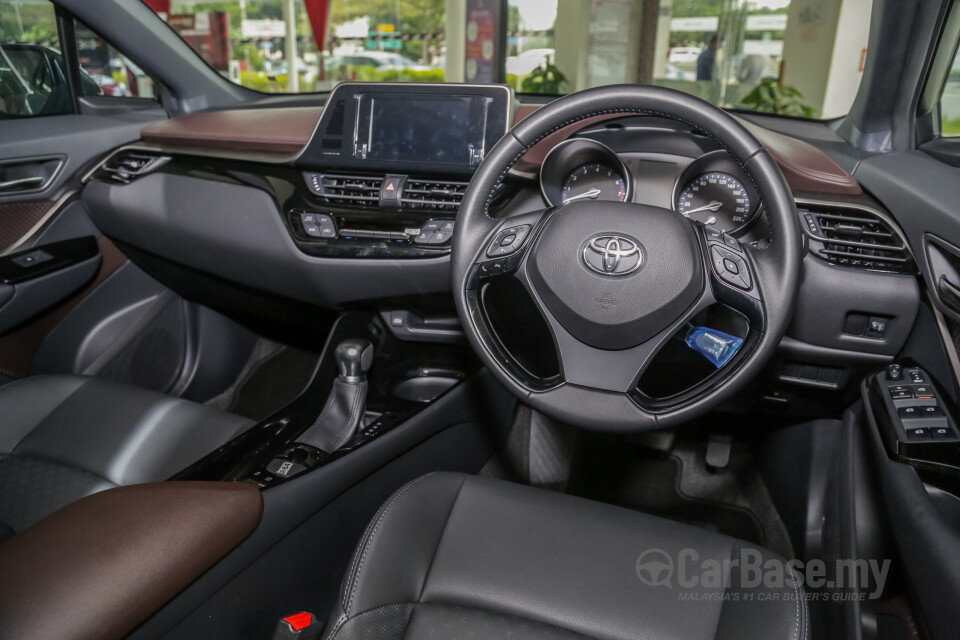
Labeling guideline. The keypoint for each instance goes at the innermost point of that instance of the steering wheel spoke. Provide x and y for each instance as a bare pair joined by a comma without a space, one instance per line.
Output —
733,276
504,247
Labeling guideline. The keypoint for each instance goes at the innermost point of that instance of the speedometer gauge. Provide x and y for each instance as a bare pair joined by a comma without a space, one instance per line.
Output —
716,199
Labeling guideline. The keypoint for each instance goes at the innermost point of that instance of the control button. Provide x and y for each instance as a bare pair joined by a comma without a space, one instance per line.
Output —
423,237
730,267
713,235
923,391
447,225
918,434
397,318
508,240
894,372
899,391
308,218
811,223
312,230
492,268
916,375
284,468
32,258
876,327
439,237
731,242
931,412
909,412
391,188
942,433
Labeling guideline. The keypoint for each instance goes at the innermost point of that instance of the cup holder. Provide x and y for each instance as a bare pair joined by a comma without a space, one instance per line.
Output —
425,384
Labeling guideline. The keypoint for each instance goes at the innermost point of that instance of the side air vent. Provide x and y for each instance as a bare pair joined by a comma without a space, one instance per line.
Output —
433,195
341,189
126,166
856,238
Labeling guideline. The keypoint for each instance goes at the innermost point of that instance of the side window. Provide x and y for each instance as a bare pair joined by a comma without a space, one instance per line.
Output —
105,71
950,101
32,77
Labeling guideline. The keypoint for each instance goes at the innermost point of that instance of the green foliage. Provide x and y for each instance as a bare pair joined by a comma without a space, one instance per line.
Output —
951,127
770,97
38,21
546,78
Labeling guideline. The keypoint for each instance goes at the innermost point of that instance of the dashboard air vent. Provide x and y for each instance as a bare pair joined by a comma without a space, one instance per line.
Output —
126,166
856,238
433,195
355,190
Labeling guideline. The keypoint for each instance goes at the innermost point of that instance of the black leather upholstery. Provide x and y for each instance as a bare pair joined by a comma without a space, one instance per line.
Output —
457,556
66,437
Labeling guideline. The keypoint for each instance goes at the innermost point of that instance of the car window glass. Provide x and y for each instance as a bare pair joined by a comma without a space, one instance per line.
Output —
32,78
106,71
801,58
950,101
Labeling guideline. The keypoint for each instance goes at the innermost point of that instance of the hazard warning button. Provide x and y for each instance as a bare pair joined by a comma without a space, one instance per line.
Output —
391,187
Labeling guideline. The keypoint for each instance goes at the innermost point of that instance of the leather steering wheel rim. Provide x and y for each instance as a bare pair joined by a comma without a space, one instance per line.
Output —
776,268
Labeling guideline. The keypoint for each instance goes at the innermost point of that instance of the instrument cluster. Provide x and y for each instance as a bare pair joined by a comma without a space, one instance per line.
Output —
712,188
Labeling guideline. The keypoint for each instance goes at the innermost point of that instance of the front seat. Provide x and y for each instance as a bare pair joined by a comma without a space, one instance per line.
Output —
65,437
455,556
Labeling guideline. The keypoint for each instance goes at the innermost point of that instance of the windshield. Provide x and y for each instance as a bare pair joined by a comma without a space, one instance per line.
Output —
793,57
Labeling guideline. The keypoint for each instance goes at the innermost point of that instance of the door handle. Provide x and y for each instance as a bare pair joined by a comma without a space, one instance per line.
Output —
949,293
21,182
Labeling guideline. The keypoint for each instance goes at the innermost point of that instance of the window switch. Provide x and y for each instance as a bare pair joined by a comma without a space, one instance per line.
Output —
876,327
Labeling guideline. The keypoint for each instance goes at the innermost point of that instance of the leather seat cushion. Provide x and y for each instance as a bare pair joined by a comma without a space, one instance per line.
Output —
66,437
451,555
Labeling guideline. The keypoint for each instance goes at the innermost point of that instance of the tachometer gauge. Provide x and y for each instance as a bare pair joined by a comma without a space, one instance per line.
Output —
594,181
716,199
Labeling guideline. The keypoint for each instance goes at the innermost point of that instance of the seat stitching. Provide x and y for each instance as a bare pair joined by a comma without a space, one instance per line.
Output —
433,557
372,533
796,591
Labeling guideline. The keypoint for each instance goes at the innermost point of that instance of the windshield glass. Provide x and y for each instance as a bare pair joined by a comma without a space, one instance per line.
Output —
793,57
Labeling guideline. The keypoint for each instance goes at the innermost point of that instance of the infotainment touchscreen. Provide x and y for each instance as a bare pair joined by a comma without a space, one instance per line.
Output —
407,128
417,127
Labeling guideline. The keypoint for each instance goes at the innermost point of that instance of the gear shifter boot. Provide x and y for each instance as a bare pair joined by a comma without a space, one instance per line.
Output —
342,415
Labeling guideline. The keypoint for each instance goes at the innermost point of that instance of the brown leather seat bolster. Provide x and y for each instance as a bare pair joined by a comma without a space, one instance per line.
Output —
101,566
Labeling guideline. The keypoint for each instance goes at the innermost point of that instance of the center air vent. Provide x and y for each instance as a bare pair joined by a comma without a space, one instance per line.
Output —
340,189
126,166
856,238
433,195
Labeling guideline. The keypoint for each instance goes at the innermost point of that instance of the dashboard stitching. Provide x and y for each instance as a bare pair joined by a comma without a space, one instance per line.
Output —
543,136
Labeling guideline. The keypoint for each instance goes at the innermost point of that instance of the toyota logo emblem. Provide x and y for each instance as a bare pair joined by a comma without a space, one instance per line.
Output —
612,255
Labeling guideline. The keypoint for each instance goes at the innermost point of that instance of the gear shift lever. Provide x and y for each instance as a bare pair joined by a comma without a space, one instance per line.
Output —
343,412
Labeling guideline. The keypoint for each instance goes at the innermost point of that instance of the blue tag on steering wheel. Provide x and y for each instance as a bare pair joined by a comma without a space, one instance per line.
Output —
716,346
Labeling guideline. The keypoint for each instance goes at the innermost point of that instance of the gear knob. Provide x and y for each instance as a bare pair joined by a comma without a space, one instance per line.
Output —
354,358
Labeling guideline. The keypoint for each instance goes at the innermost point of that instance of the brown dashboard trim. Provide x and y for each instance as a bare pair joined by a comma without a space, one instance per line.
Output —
268,131
280,134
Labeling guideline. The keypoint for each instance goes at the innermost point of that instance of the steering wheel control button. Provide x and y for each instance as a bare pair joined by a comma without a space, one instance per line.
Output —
508,241
730,267
731,242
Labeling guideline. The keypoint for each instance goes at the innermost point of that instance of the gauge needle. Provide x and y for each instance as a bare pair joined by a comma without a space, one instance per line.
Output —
713,206
592,194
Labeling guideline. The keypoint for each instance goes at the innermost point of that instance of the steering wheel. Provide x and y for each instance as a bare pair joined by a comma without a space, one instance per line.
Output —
615,281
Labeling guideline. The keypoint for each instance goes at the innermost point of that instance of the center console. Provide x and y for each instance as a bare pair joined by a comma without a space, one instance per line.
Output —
387,167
